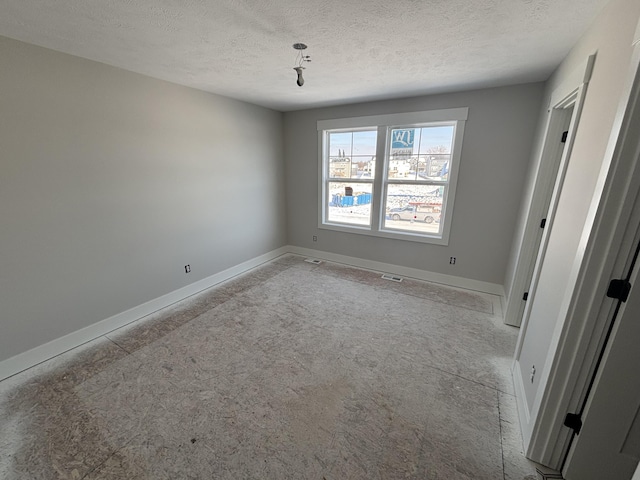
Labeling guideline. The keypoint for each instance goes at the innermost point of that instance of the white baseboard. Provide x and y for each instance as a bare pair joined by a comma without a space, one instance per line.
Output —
30,358
469,284
523,407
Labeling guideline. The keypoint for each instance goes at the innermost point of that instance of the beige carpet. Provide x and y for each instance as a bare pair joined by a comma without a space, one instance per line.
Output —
294,371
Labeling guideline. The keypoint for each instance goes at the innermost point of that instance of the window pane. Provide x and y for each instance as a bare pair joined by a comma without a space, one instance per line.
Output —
401,169
402,161
342,168
364,154
414,208
340,144
403,141
433,166
420,153
364,143
436,139
349,203
352,154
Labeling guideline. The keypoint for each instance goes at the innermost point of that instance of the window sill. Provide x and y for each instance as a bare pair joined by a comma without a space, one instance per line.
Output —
385,233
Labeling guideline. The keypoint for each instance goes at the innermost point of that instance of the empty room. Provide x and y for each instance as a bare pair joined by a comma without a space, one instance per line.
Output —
319,240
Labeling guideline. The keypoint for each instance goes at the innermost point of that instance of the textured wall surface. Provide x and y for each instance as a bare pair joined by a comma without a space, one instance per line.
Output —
497,142
112,182
360,50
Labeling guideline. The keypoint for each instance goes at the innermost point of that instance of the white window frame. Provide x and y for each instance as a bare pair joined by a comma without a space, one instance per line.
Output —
384,125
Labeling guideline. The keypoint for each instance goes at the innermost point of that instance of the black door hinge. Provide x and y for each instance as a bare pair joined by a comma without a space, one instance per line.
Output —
573,421
619,289
543,222
564,137
525,296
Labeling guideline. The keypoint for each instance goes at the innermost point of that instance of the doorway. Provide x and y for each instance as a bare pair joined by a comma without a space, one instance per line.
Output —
563,116
556,155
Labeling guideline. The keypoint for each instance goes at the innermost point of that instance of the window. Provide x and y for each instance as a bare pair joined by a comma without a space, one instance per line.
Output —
351,157
409,193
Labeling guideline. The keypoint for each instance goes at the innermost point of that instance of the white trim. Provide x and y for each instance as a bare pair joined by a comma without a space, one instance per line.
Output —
571,91
30,358
455,117
450,280
532,237
577,97
523,407
579,76
33,357
600,256
454,167
408,236
444,115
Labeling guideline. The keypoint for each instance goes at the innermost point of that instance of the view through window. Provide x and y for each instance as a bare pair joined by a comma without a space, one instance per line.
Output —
352,159
417,178
388,177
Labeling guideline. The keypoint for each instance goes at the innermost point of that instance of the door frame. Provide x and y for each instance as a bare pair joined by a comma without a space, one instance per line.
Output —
553,159
617,366
602,253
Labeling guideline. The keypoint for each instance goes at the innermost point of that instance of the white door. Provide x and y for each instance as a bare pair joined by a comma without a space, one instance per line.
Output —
564,112
555,141
608,445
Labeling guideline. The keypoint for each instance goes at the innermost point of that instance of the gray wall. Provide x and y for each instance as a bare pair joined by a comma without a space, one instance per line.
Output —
111,182
497,143
610,36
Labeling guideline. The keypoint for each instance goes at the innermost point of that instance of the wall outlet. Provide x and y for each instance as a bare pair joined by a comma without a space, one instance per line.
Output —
315,238
452,260
187,269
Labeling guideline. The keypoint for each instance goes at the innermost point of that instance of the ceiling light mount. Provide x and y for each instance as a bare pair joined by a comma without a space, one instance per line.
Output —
300,60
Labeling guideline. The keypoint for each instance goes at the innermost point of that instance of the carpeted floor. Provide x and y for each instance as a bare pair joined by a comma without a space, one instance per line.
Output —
292,371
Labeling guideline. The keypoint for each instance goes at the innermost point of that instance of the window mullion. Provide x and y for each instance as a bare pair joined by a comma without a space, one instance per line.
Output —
417,182
349,180
378,185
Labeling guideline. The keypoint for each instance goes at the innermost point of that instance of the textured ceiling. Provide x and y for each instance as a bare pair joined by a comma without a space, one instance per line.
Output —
360,50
